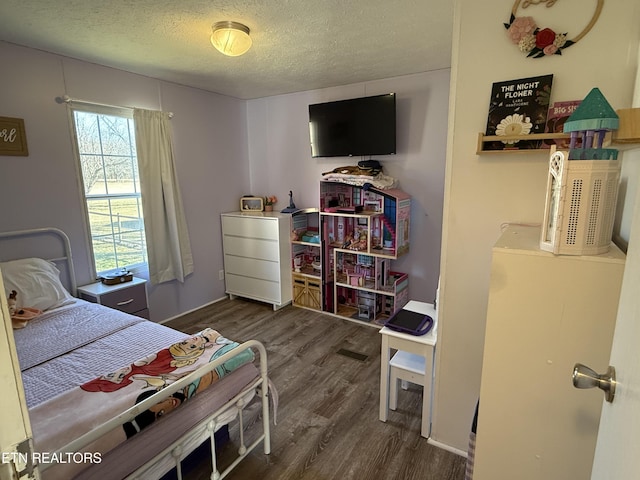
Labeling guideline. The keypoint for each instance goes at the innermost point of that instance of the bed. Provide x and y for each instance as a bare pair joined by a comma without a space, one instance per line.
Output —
111,395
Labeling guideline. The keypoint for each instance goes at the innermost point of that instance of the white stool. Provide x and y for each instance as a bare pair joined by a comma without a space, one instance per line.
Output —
407,367
423,346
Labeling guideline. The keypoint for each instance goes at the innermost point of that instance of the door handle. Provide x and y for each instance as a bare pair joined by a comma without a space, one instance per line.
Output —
584,377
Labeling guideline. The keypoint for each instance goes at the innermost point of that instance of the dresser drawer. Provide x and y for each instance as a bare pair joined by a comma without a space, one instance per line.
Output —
251,267
253,288
252,248
251,227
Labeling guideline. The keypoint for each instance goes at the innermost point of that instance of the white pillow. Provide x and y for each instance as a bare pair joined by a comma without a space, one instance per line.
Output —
37,282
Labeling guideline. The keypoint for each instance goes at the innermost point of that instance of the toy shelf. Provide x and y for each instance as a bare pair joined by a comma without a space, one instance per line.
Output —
365,288
305,258
372,307
307,291
341,253
306,264
362,232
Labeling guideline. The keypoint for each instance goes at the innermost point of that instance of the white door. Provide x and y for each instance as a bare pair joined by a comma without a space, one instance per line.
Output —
618,445
15,427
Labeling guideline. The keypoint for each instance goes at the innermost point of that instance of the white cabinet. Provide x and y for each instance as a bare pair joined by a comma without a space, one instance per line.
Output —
545,313
257,256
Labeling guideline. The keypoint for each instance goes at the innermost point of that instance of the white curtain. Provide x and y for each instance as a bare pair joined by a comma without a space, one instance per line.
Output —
168,244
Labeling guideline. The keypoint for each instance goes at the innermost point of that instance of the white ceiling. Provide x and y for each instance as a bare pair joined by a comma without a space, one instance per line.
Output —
297,44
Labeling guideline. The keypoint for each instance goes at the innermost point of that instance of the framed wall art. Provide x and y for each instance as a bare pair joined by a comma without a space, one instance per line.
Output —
13,137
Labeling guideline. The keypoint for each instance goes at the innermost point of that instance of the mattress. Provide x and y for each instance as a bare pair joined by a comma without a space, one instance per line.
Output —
84,364
66,347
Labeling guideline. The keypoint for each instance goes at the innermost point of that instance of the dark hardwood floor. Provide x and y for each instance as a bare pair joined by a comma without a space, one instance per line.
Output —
328,425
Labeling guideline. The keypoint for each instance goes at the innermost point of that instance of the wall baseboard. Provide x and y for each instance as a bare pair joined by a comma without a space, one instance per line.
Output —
192,310
446,447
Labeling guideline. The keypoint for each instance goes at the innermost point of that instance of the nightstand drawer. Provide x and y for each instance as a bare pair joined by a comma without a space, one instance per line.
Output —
130,300
129,297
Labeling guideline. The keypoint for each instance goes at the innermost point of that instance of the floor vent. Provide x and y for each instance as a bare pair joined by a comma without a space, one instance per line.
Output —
351,354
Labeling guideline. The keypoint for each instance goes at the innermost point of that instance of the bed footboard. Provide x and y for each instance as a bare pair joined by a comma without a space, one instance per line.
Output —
173,455
177,449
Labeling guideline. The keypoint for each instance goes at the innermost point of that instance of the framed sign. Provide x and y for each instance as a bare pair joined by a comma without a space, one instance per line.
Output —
13,137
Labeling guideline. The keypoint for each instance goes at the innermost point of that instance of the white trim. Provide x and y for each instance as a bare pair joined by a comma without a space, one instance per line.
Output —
446,447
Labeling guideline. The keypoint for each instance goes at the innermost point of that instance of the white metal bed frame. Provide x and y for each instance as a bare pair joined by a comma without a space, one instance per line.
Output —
64,242
172,456
206,428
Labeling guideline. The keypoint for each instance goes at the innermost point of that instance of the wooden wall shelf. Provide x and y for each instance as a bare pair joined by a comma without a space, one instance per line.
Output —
626,137
482,139
629,131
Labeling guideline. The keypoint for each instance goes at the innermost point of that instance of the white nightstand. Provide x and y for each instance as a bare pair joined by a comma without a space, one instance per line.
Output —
130,297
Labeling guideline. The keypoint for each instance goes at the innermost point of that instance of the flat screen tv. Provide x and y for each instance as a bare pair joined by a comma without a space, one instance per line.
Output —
356,127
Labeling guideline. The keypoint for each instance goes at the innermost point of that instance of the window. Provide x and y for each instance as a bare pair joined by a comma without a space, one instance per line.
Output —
106,148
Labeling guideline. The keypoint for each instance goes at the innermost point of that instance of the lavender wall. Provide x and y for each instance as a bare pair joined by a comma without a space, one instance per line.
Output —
280,158
225,148
43,189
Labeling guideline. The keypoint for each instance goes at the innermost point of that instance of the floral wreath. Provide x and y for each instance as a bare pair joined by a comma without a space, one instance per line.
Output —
537,42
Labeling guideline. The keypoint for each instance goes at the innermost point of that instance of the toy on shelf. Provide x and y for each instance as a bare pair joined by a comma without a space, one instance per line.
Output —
592,120
269,202
251,204
292,206
582,185
355,278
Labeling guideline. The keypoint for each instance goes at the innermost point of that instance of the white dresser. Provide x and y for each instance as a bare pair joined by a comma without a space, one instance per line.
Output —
257,256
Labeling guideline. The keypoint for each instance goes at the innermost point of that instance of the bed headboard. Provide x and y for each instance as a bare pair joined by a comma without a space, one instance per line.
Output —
48,243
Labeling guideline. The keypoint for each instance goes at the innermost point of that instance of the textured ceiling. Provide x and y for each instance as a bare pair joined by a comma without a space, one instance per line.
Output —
297,44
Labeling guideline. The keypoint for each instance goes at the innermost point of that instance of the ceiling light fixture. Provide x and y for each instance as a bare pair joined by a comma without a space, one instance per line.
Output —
231,38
